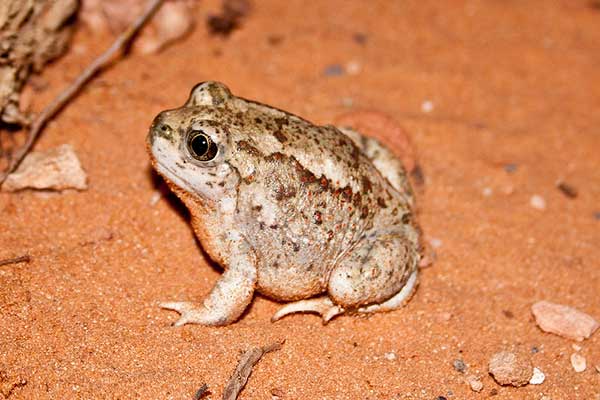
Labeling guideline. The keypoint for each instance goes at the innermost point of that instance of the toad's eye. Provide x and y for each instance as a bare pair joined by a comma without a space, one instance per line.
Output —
201,146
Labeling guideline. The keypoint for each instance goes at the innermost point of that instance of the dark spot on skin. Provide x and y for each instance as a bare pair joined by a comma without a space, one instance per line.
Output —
274,226
209,184
318,218
280,136
295,247
221,184
304,174
508,314
346,194
366,185
381,202
356,200
324,182
243,145
364,212
275,157
258,120
249,179
257,207
329,235
179,165
310,267
406,219
275,265
395,211
281,122
284,192
261,226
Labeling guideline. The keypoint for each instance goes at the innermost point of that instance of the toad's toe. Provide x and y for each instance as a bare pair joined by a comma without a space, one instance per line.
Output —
320,305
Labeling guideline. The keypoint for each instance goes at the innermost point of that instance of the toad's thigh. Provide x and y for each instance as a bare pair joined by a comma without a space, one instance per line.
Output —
375,270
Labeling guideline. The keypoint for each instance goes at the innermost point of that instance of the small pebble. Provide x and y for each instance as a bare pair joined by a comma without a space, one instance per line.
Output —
440,398
510,168
353,68
459,365
537,202
576,347
360,38
534,350
567,189
427,106
487,192
563,320
155,198
510,369
391,356
538,377
333,70
435,243
578,362
475,383
598,368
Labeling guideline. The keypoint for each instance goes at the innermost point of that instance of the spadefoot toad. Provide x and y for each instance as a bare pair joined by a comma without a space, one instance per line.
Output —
317,216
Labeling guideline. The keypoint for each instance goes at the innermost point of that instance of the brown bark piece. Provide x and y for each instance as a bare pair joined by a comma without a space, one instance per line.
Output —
244,369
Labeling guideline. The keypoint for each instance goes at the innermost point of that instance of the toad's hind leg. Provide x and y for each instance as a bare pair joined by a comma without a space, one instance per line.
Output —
379,274
321,305
398,300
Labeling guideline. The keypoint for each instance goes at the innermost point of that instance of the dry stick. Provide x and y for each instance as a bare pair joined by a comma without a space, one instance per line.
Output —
15,260
63,98
244,369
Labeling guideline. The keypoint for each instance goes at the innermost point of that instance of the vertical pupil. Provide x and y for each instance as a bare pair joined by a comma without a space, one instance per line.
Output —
200,145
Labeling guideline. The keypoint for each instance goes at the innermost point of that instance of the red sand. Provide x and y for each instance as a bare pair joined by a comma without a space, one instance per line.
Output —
510,83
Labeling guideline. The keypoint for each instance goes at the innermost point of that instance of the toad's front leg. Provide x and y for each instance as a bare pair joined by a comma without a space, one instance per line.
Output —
228,298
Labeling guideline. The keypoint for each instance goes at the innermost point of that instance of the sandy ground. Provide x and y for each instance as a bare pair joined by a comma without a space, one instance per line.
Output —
501,100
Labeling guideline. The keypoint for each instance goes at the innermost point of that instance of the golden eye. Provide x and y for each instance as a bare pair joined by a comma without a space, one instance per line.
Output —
201,146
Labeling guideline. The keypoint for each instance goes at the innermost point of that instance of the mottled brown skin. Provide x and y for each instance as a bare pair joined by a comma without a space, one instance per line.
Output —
292,209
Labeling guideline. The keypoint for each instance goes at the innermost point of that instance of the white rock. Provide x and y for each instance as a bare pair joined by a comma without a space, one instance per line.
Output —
427,106
475,383
537,202
390,356
578,362
53,169
563,320
538,377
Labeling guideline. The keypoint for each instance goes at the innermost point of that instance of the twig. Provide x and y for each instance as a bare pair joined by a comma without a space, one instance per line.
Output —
15,260
66,95
238,379
201,392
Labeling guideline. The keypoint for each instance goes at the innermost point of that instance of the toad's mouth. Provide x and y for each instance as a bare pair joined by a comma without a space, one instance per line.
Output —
170,175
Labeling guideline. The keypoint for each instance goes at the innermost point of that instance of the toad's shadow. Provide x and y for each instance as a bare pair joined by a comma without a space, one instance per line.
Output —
180,209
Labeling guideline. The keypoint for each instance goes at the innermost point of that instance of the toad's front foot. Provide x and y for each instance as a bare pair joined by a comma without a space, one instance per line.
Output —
193,313
320,305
